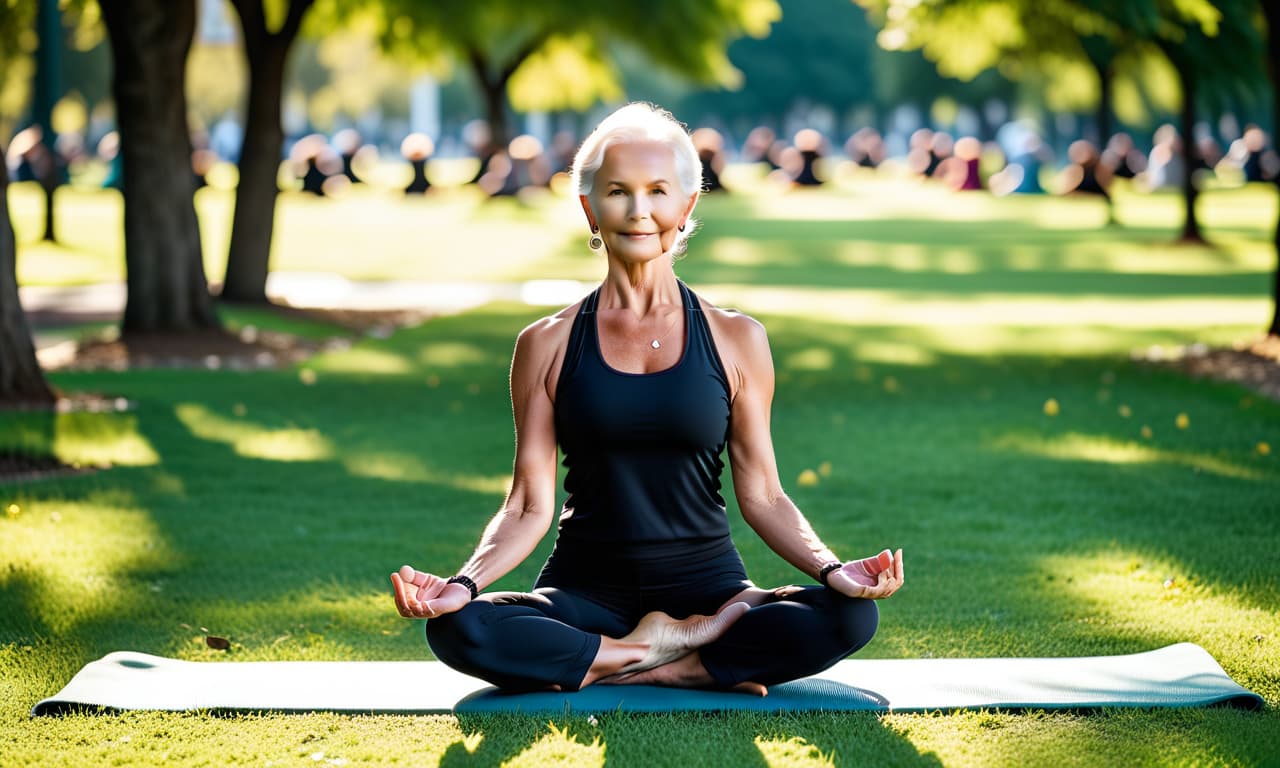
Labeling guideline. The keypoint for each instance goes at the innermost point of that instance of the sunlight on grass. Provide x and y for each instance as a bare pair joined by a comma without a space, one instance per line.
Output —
1108,450
67,562
363,360
1139,595
737,251
408,468
811,359
795,751
252,440
559,747
99,439
853,306
892,353
323,621
449,354
102,438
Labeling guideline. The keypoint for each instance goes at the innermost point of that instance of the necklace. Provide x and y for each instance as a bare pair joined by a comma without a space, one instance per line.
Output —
657,342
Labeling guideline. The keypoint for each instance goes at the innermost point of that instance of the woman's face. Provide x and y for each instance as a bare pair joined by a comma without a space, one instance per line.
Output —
637,202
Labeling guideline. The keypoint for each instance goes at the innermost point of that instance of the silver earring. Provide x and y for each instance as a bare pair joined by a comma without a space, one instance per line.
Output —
595,242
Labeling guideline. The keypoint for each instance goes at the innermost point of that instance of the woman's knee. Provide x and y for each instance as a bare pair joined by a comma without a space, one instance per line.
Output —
858,620
454,637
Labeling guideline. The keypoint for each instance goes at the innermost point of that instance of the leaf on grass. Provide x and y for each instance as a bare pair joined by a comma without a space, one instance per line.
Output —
217,643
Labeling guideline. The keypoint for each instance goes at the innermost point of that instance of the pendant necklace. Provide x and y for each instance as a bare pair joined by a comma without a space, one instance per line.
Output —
657,342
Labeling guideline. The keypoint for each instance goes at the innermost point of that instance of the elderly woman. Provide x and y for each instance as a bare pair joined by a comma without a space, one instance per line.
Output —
643,384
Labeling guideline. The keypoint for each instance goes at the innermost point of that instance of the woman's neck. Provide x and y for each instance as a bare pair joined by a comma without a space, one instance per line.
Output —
640,287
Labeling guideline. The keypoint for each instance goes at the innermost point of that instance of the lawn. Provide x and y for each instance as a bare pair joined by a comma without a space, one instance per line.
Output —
919,337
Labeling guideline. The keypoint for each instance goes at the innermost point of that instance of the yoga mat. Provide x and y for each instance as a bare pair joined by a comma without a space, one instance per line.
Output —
1182,675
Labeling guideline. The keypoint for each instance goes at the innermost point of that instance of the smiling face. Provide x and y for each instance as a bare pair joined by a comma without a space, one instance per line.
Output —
636,201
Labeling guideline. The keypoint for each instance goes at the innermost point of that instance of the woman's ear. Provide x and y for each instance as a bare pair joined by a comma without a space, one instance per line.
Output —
586,208
688,210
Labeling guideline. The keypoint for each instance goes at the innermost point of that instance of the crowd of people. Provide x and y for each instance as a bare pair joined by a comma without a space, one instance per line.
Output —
1016,160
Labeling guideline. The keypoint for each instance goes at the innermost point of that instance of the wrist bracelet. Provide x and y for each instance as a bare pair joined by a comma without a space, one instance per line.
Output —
825,573
466,582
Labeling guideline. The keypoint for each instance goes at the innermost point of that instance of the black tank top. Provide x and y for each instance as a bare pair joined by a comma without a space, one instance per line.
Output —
642,449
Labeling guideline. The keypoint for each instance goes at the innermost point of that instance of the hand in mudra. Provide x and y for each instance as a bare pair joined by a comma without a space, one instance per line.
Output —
871,577
422,595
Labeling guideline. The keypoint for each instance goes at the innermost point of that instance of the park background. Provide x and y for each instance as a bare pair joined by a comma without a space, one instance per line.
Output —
1021,390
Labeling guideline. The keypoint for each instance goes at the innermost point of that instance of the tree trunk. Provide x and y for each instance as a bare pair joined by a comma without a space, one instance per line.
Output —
253,223
1191,225
1103,119
495,105
1272,12
163,260
45,94
21,382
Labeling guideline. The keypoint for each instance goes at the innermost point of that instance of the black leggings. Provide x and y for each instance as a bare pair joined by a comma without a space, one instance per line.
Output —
531,640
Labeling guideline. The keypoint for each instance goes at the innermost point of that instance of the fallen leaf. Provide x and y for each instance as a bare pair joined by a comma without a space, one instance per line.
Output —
217,643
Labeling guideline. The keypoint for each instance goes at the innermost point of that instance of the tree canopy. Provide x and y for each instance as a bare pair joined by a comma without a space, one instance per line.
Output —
558,54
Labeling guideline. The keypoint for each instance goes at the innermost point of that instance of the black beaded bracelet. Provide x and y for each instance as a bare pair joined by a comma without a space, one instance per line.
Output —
826,572
466,582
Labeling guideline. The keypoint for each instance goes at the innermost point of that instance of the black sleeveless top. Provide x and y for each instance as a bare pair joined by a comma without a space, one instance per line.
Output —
642,449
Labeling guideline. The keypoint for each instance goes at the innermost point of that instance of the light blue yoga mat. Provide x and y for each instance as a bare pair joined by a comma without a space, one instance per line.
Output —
1182,675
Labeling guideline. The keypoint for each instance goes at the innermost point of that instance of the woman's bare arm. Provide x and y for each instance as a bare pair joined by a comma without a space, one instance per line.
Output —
527,513
764,504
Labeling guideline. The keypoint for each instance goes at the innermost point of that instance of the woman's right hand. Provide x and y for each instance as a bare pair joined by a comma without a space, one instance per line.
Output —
421,595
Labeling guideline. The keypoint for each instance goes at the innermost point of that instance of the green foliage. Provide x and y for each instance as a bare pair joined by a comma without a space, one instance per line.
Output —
1060,39
18,40
557,54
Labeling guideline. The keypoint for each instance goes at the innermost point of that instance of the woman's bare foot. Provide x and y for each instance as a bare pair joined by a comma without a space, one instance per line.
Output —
669,639
685,672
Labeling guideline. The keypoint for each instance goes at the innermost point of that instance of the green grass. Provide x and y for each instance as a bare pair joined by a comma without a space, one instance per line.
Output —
915,358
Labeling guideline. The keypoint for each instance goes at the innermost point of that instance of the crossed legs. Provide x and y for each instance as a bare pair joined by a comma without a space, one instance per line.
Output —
563,640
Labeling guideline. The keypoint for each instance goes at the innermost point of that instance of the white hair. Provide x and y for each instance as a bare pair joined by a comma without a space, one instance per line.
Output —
634,123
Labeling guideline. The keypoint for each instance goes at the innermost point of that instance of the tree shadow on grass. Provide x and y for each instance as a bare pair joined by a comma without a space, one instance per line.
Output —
720,738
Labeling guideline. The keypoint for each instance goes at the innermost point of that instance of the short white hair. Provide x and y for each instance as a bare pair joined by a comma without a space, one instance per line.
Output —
636,123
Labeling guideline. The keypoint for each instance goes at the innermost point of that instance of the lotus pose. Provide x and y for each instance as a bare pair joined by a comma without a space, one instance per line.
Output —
642,384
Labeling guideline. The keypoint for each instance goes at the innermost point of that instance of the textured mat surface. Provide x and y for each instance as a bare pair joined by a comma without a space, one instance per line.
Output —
1182,675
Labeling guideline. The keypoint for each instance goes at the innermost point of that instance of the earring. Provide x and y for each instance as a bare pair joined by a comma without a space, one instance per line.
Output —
595,242
681,227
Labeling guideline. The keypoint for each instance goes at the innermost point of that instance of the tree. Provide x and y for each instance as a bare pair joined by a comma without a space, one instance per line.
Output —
165,278
254,219
1213,47
48,89
556,53
1271,13
21,382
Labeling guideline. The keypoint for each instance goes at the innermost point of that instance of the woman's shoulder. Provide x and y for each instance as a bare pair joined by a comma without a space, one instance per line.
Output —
734,327
548,334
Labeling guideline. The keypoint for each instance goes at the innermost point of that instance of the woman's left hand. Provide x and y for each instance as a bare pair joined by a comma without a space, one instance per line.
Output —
873,578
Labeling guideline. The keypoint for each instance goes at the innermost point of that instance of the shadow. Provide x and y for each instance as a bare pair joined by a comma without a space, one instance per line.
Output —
738,739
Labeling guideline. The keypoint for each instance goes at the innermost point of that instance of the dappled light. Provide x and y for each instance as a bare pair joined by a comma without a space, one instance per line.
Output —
411,468
452,354
1147,598
102,439
794,751
561,747
1105,449
68,563
252,440
364,360
853,306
